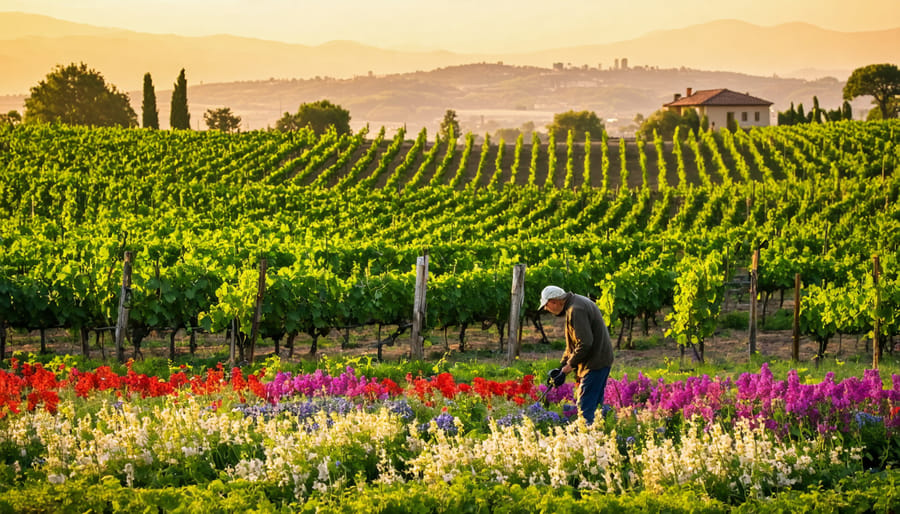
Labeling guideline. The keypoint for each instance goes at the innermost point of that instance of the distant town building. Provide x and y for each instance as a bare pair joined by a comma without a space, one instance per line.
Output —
722,105
624,63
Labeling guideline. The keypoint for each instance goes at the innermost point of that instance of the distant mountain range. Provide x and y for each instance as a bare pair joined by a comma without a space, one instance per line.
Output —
30,45
259,80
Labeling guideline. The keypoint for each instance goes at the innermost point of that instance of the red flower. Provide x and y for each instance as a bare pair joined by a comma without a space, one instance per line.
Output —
178,379
10,393
392,388
256,386
237,380
446,385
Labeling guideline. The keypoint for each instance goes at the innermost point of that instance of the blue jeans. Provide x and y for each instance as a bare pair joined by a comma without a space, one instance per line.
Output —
590,393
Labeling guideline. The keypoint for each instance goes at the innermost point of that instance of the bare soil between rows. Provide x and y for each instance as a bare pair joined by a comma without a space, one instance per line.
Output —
651,350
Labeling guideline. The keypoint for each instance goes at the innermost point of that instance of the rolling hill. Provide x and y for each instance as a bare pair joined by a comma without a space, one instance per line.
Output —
30,45
260,80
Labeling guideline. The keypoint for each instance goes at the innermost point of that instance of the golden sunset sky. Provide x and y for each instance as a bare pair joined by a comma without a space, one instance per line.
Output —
454,25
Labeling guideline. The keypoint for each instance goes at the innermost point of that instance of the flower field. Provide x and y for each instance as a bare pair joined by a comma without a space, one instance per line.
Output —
300,441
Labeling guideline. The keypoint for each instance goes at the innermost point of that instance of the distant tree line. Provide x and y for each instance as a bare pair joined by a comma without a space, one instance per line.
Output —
77,95
797,116
578,123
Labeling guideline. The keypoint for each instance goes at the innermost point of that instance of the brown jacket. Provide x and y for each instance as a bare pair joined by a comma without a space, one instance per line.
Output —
588,345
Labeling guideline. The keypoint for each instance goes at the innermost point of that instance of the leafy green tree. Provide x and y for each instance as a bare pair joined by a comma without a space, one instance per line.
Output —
507,134
893,109
180,117
11,118
318,116
288,123
321,115
150,114
664,122
222,119
449,125
881,81
76,95
704,123
577,122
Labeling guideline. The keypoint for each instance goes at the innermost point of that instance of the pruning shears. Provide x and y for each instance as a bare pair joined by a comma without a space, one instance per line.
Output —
555,378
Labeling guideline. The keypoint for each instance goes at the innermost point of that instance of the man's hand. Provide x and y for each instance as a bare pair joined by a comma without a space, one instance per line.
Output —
566,369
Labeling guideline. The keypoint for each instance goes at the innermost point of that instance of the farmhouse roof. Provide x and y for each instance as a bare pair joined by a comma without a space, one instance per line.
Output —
717,97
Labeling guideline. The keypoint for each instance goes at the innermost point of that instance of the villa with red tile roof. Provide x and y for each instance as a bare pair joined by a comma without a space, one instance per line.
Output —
721,105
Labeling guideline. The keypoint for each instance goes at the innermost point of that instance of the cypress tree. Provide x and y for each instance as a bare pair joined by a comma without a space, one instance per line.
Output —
150,116
847,111
180,118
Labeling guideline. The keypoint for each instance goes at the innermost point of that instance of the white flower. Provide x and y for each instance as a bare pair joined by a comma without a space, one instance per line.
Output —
323,469
129,474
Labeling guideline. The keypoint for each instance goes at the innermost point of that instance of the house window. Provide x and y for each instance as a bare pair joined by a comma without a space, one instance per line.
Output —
744,116
756,116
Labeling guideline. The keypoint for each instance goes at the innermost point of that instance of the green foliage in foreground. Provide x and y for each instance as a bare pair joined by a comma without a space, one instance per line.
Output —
858,493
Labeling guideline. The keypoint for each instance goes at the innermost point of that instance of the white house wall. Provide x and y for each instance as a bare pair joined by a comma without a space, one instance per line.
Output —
718,115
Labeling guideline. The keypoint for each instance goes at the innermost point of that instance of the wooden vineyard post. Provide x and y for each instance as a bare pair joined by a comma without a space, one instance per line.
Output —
515,312
876,347
754,275
260,294
795,347
417,343
232,343
124,308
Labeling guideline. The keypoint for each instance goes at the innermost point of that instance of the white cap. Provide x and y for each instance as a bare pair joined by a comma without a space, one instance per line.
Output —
550,293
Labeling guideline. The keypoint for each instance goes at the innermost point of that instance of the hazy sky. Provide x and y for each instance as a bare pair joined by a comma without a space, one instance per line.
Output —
456,25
